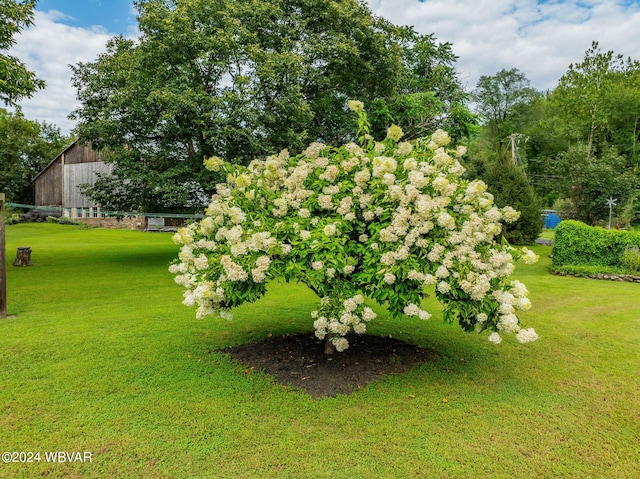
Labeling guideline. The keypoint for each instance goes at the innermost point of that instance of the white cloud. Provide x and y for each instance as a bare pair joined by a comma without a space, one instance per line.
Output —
541,39
48,48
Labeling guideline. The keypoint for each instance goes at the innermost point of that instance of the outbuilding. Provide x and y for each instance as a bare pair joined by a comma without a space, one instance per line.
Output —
59,184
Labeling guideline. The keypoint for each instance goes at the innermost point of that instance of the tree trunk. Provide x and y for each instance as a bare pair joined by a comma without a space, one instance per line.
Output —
329,348
23,256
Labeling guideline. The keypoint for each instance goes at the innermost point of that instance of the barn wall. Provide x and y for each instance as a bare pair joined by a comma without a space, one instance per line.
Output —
81,154
48,186
78,174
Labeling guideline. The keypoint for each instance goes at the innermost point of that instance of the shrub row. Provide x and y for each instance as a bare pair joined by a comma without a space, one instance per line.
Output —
578,244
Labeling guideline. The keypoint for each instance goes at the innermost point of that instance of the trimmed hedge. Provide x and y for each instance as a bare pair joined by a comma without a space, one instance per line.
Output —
578,244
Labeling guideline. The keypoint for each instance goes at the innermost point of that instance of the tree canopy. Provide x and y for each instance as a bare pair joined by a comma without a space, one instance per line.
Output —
428,95
16,81
598,103
240,79
588,180
26,147
498,99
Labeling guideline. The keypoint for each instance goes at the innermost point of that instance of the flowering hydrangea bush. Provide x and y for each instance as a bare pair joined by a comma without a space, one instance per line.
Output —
391,221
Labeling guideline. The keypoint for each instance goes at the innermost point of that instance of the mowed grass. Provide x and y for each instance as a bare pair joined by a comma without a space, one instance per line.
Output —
101,356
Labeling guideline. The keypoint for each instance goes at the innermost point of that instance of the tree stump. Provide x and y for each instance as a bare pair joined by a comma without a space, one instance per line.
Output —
23,256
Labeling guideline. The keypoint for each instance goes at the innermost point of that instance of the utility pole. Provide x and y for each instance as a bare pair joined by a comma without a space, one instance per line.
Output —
514,137
611,202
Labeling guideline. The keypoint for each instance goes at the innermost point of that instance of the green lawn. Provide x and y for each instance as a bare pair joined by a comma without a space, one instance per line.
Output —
548,234
101,356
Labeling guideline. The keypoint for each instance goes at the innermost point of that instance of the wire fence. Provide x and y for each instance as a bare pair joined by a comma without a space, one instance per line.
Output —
97,212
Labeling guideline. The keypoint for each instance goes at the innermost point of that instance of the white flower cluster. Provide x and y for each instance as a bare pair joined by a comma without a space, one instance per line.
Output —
352,223
413,310
206,272
351,314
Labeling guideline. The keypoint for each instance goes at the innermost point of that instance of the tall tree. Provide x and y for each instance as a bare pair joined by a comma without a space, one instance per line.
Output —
588,179
597,100
623,106
26,147
498,98
429,94
16,81
234,79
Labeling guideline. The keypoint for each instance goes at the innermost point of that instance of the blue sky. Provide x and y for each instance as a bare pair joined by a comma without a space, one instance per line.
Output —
116,16
541,38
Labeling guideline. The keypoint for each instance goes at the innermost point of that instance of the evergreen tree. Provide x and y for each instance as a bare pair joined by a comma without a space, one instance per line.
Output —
510,186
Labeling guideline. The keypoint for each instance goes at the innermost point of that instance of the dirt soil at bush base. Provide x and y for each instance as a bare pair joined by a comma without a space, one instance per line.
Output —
299,361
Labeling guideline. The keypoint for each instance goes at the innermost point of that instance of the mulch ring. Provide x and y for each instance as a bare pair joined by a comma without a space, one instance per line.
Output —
299,361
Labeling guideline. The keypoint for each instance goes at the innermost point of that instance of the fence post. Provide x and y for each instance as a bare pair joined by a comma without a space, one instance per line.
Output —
3,266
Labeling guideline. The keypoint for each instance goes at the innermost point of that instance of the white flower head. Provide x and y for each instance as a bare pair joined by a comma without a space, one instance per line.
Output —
442,272
411,310
340,343
359,328
529,256
394,132
368,314
389,179
410,164
258,275
389,278
330,230
404,148
526,335
441,138
523,304
509,214
213,164
508,323
355,105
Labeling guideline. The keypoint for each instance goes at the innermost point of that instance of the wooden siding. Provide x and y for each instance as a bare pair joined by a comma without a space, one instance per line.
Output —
48,185
78,174
78,153
59,183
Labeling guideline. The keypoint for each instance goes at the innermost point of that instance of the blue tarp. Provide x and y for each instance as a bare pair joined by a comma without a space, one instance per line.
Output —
551,220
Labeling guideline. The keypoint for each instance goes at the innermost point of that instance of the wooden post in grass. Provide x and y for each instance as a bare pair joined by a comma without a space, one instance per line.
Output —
3,265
